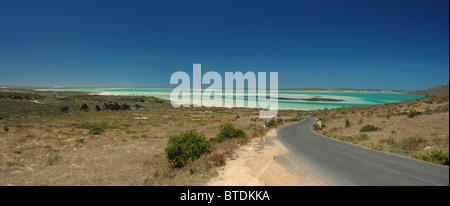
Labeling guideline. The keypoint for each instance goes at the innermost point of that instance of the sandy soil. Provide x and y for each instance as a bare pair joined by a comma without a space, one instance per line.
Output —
255,165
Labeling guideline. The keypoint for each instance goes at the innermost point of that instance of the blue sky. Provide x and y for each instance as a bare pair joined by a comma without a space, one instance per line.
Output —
371,44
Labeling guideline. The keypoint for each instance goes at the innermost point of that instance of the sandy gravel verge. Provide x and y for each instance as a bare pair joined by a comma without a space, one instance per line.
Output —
255,165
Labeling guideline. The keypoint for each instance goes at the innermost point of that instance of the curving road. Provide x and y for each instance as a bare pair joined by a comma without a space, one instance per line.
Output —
332,162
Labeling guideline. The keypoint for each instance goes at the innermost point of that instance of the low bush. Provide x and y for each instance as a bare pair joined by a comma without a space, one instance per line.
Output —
318,126
116,106
227,130
368,128
436,156
84,107
185,147
125,107
272,123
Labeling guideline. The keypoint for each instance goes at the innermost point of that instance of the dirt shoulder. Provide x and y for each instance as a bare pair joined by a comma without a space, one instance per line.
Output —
255,165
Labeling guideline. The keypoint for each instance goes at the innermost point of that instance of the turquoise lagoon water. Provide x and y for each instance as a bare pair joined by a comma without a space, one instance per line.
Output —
296,100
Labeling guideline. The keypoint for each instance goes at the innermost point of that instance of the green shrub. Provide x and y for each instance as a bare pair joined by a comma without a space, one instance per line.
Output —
84,107
318,126
227,130
436,156
272,123
125,107
185,147
112,106
368,128
280,121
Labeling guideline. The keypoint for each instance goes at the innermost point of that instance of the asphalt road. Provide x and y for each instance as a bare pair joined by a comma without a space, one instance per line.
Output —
332,162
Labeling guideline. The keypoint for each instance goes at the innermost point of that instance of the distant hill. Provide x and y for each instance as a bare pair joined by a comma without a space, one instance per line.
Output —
441,89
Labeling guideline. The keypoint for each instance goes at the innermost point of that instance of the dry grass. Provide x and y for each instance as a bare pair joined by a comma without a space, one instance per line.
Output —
61,149
197,172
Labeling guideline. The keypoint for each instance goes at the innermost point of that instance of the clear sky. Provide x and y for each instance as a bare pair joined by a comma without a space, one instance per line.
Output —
367,44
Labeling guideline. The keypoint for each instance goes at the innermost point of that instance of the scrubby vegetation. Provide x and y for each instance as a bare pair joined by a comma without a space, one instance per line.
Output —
19,96
368,128
412,143
227,130
436,156
84,107
317,126
28,103
274,123
116,106
388,141
114,147
126,147
185,147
